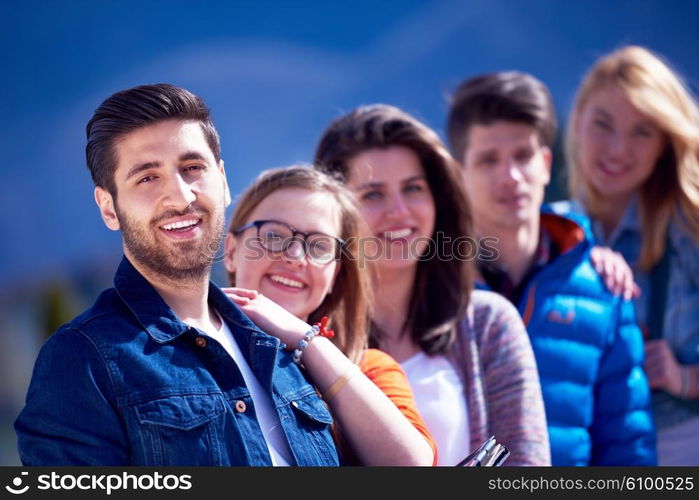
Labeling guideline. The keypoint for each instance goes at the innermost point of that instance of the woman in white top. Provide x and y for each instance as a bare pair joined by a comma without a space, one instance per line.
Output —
466,352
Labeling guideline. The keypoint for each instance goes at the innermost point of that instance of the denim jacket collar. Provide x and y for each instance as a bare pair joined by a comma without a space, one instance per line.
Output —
265,347
161,322
146,304
629,222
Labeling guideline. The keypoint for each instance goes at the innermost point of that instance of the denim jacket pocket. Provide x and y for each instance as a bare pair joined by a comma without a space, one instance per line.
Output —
313,420
312,408
182,429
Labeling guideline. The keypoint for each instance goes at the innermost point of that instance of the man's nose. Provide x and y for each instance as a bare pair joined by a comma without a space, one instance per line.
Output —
178,193
510,172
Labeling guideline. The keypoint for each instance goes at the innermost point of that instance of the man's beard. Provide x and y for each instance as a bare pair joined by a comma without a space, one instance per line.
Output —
173,260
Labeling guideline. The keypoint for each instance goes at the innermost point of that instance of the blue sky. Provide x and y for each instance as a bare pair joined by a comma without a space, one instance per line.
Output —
274,74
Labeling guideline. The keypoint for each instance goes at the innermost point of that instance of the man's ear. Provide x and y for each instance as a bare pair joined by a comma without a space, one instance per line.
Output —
548,162
227,192
105,202
229,253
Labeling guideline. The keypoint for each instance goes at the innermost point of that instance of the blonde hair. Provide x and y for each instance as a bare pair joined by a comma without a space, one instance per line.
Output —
672,190
349,304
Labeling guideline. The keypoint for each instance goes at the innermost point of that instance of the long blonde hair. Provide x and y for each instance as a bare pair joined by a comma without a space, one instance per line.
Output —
349,304
672,190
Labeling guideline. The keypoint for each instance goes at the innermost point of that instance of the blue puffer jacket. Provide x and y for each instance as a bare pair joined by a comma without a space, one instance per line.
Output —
589,352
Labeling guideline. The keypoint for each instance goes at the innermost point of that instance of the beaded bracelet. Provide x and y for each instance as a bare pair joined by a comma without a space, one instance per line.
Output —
303,343
323,330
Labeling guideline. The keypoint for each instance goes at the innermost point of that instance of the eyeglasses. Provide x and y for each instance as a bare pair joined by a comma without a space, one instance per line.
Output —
277,236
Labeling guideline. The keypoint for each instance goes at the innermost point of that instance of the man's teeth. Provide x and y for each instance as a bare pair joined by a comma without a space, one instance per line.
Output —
401,233
179,225
286,281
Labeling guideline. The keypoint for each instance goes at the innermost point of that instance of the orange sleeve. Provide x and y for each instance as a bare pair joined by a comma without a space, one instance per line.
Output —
388,376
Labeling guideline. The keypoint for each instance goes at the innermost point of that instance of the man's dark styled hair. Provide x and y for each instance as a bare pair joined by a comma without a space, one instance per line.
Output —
137,107
504,96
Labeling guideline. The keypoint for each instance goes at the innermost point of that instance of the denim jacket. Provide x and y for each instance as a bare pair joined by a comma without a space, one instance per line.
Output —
128,383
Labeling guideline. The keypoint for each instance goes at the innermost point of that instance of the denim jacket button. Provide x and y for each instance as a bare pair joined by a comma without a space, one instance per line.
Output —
200,341
240,406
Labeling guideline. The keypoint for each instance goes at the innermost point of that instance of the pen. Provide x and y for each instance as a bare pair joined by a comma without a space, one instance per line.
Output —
502,457
492,456
476,458
483,452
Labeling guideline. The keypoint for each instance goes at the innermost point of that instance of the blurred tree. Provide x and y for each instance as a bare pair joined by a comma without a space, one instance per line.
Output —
58,304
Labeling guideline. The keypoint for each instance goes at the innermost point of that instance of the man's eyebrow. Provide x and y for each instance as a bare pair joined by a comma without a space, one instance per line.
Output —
487,151
141,167
191,155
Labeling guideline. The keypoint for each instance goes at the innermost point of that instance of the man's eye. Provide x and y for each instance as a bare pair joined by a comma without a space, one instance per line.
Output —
192,168
524,156
487,161
146,179
602,124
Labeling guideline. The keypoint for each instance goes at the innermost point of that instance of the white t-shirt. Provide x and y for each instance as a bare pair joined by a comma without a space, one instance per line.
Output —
440,397
267,416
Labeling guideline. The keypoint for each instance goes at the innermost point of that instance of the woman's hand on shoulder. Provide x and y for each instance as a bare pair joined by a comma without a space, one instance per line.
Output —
272,318
615,272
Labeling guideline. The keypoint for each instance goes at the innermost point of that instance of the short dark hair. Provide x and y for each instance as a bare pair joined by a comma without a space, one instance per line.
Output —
503,96
137,107
442,287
